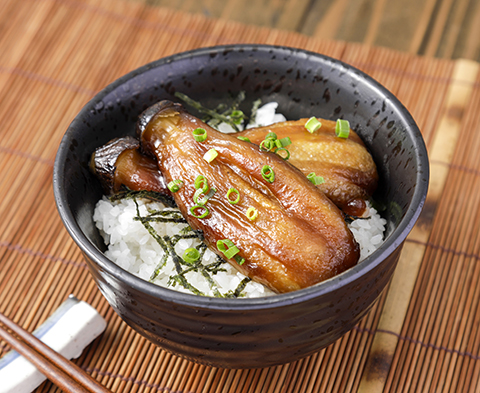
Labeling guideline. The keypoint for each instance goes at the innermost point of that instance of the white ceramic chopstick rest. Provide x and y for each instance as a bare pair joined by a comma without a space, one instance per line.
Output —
73,326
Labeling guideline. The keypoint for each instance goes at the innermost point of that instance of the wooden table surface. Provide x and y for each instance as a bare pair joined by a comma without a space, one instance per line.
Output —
441,28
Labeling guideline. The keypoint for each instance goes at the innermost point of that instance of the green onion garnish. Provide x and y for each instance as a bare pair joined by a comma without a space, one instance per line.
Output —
237,116
227,248
268,174
316,180
251,213
278,145
285,141
191,255
283,153
312,124
233,191
244,138
200,134
202,201
201,183
342,128
197,199
193,211
239,259
175,185
197,195
210,155
267,144
271,135
270,142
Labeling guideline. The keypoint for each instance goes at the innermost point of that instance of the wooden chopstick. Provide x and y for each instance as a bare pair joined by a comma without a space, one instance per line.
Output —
62,372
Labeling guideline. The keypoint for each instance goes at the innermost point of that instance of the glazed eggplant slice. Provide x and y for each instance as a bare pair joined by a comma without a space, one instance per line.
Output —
120,163
255,210
345,164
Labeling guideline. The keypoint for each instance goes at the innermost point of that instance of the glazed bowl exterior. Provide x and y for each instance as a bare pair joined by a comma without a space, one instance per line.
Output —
247,333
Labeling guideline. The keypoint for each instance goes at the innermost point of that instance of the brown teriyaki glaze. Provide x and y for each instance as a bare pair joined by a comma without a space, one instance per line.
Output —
299,237
346,165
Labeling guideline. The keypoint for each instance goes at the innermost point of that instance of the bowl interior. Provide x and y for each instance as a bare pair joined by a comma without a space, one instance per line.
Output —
304,84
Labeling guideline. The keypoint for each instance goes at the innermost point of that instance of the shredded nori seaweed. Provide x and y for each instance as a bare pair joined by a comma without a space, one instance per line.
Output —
167,243
125,193
229,114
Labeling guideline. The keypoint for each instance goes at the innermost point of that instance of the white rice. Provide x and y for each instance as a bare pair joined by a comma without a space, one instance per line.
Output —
133,248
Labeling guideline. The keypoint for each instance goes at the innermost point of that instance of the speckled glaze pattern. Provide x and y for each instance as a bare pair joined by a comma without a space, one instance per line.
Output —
246,333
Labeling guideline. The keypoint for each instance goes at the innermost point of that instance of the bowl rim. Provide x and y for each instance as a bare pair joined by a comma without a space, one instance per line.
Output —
396,238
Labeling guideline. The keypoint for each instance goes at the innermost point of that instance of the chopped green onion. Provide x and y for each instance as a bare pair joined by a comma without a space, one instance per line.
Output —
191,255
231,252
201,183
204,200
210,155
285,141
175,185
268,174
244,138
312,124
316,180
271,135
200,134
251,213
271,142
193,211
342,128
227,248
267,144
282,150
197,195
237,116
233,191
210,194
239,259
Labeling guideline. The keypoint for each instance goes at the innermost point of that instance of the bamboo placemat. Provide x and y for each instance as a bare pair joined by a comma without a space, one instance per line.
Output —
422,335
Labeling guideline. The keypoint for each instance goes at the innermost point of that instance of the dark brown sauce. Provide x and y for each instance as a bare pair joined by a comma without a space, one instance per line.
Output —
355,207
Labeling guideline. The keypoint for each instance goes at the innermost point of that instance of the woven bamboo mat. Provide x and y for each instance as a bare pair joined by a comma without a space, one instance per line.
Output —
423,334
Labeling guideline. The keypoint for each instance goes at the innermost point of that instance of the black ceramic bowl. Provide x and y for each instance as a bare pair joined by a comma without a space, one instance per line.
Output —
246,333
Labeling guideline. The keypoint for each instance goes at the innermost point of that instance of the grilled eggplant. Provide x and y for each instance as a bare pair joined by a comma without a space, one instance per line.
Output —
282,232
345,164
120,163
